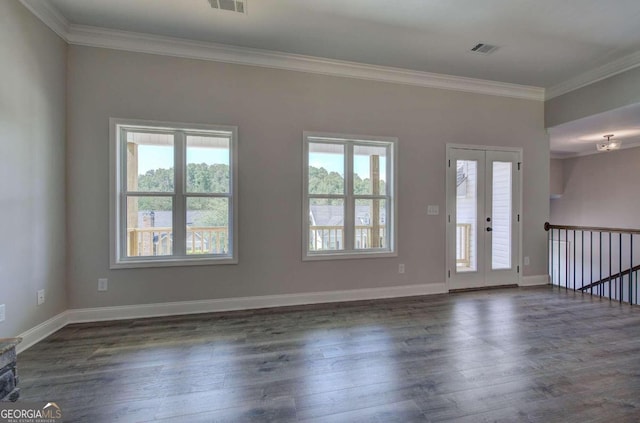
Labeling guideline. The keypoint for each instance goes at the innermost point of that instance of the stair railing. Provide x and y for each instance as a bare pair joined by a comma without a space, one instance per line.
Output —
595,260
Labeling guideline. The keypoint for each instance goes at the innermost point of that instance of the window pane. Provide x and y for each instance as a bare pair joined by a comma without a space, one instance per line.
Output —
149,162
207,225
466,215
326,224
207,164
369,170
326,168
371,228
149,226
501,216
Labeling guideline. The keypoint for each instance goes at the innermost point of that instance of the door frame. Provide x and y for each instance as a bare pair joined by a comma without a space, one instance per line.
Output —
449,229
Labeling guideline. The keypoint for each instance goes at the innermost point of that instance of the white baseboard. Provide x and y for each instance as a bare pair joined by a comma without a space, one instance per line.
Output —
83,315
248,303
44,329
534,280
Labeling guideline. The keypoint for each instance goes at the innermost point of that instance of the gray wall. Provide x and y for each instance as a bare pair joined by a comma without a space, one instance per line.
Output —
600,190
32,157
556,181
609,94
272,108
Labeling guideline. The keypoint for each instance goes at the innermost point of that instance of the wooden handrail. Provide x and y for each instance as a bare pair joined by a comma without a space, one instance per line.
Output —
548,226
609,278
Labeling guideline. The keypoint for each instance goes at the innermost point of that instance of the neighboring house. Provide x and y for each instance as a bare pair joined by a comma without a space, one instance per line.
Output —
203,240
163,218
327,227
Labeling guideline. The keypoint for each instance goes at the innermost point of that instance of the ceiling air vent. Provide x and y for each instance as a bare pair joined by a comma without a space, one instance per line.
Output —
239,6
482,48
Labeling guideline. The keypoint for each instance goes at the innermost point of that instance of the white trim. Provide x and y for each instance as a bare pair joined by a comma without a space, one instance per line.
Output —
249,303
117,183
348,141
351,255
589,77
450,210
38,333
534,280
169,46
484,148
98,314
50,16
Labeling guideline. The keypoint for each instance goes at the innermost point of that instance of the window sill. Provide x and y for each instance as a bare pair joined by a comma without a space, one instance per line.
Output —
348,255
172,262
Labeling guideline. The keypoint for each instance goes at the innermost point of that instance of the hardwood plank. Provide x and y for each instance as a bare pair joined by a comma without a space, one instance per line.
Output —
278,410
400,412
507,355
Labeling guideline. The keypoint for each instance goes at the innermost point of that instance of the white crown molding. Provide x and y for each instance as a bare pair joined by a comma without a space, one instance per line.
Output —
146,43
589,77
137,311
169,46
48,14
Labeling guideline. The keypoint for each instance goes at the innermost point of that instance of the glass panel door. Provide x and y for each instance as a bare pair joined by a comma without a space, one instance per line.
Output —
482,204
466,215
501,211
466,204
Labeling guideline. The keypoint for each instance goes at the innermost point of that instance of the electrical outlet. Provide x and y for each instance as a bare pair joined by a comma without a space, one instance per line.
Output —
103,284
41,296
2,313
526,261
401,268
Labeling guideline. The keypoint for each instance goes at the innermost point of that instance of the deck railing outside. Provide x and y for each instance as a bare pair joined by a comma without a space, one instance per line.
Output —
159,241
595,260
463,244
332,238
323,238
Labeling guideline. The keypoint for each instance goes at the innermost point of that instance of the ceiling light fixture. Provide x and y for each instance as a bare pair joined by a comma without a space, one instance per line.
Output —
609,144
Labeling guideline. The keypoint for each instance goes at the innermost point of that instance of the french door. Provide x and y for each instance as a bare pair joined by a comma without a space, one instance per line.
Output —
483,217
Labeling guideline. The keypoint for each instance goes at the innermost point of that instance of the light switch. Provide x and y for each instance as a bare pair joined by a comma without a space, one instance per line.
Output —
433,210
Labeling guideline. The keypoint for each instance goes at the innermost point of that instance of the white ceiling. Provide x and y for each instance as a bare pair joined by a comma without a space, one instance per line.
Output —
581,136
542,43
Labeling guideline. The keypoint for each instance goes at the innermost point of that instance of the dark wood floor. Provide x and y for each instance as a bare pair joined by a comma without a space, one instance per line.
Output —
510,355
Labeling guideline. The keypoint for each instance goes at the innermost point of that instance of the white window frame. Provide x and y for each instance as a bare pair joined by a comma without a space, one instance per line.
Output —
349,251
117,168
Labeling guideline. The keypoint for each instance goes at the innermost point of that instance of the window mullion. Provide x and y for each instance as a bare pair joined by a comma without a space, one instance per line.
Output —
390,180
323,196
122,193
148,194
349,215
210,195
370,197
179,201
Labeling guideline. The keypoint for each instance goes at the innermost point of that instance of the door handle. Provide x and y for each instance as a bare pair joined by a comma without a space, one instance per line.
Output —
489,229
